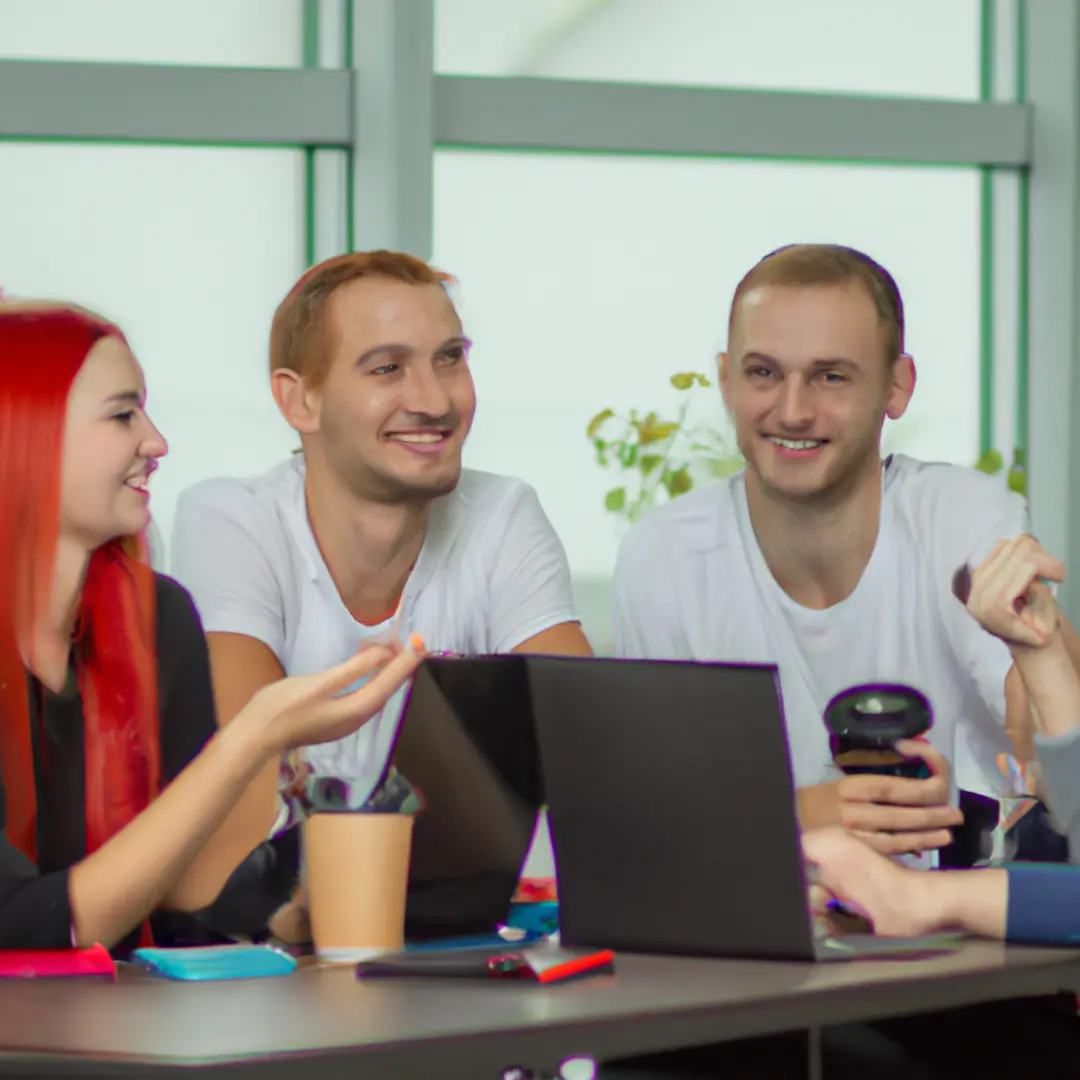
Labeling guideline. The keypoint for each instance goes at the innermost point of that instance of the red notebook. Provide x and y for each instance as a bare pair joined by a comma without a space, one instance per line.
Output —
94,962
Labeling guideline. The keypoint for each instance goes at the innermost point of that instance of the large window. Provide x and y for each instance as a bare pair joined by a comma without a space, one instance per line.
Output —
587,281
189,251
922,48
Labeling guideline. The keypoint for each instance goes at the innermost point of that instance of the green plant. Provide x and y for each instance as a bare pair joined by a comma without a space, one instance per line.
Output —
663,458
993,462
660,458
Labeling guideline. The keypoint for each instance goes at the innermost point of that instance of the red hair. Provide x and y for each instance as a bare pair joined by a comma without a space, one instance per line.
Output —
41,352
298,333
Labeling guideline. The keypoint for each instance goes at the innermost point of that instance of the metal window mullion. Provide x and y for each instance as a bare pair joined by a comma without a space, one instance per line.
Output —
1003,296
1052,63
329,176
393,56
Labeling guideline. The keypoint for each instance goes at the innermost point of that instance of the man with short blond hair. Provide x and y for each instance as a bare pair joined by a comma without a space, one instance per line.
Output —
823,558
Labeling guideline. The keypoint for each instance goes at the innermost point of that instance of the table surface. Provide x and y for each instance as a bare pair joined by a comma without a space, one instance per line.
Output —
400,1027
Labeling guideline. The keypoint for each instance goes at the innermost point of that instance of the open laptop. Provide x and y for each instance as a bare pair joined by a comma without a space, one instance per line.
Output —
672,812
466,738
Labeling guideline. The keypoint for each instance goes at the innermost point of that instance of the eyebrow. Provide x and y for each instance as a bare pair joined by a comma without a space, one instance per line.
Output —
125,397
817,364
408,350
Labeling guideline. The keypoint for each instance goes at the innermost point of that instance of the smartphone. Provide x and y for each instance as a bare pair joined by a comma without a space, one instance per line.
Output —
865,723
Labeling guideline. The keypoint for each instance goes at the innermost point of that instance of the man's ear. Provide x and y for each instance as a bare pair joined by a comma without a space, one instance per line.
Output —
723,377
296,402
903,386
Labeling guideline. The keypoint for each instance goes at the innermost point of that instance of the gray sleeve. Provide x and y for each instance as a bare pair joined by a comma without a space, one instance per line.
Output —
1059,759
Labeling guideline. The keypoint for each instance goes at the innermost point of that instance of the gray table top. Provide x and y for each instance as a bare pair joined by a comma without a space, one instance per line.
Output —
409,1027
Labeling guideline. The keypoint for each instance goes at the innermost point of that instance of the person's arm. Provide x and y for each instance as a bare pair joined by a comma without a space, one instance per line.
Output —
1052,684
115,888
34,910
136,871
240,666
1025,903
532,603
1008,595
225,554
818,806
1071,639
899,901
188,722
969,523
1055,693
566,639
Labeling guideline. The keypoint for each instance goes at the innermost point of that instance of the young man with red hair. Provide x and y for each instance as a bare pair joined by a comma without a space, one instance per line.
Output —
825,559
374,530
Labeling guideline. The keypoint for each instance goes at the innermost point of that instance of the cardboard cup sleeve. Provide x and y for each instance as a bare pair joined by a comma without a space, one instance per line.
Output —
357,867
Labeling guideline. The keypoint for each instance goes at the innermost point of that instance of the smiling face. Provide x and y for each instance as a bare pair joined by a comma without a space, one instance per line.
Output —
393,412
808,386
110,449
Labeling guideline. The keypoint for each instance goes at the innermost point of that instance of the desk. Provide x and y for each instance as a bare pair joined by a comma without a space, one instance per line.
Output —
279,1028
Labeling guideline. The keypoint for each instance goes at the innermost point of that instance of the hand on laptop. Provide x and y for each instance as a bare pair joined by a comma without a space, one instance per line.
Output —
897,815
896,901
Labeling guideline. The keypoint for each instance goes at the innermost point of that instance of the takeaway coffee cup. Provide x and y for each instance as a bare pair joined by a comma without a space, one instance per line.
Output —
357,867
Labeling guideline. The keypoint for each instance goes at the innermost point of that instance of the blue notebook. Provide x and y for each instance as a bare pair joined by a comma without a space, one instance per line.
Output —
207,963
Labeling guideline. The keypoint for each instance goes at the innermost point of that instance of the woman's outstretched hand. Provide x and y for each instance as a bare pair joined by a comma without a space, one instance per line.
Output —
1008,593
308,709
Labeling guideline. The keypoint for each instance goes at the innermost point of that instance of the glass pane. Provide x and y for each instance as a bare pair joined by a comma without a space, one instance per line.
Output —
925,48
236,33
586,282
189,251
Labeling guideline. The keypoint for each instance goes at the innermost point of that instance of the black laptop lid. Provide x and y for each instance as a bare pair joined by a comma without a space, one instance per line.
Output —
467,739
671,807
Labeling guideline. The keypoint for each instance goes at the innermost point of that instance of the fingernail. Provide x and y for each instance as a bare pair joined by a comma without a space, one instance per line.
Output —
417,642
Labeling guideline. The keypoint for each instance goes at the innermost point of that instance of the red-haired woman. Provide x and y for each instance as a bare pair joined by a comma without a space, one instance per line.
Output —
117,786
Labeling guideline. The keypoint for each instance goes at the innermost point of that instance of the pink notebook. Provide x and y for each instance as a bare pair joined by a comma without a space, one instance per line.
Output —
94,962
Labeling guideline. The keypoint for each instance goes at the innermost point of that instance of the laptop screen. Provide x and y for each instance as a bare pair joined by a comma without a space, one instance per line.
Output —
467,740
671,807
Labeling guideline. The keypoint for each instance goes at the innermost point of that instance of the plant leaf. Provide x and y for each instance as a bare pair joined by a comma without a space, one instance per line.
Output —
648,462
652,429
682,381
991,462
597,421
701,380
615,499
679,482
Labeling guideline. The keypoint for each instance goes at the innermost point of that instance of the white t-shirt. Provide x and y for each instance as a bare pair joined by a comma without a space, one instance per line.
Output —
691,583
491,574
